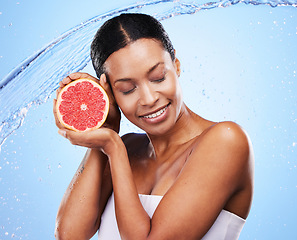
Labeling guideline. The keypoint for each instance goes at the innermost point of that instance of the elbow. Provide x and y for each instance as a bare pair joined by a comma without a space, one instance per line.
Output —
61,227
64,231
67,229
61,232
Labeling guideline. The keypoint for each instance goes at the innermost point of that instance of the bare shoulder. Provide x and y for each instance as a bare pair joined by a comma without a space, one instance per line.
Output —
229,136
228,129
222,159
219,165
225,145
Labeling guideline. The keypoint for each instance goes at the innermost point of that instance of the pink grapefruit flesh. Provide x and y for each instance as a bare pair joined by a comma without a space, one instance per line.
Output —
82,105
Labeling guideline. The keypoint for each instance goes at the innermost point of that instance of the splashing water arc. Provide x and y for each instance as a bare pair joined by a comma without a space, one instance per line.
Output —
24,81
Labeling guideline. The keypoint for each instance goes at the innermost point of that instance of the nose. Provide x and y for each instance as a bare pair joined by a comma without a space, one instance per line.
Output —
148,96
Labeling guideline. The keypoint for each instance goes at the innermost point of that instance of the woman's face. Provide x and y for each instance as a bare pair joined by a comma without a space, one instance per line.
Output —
145,84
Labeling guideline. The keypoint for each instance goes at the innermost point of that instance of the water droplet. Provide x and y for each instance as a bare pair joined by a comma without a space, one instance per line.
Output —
23,112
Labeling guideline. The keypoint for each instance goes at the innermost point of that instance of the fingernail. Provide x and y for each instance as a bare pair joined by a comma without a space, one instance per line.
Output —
62,132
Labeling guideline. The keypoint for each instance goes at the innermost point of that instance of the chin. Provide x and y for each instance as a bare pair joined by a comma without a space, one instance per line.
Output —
160,130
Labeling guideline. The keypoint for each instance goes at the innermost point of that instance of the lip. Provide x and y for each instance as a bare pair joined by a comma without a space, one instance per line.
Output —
155,111
159,117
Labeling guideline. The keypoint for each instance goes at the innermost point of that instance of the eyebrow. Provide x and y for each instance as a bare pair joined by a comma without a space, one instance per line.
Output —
148,72
155,66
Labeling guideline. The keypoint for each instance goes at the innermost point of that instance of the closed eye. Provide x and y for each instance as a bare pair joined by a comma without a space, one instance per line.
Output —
159,80
128,91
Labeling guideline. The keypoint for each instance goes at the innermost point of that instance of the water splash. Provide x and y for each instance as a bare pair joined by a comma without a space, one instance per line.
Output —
35,79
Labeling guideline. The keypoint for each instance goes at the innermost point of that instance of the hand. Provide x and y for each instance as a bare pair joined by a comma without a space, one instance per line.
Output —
114,115
104,139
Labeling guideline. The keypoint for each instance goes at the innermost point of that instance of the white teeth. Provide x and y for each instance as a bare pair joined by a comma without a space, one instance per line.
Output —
156,114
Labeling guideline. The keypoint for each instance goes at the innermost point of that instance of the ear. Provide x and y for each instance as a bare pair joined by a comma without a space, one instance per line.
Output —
177,66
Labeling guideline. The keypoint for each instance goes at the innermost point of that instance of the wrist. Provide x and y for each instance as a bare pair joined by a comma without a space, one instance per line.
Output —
115,145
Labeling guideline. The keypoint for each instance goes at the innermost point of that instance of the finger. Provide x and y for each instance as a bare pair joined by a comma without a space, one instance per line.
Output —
103,82
65,81
54,107
95,138
55,113
75,138
58,91
75,76
78,75
58,123
63,133
68,134
71,135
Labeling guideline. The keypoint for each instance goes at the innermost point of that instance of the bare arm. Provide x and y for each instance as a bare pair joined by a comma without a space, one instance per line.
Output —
84,200
219,166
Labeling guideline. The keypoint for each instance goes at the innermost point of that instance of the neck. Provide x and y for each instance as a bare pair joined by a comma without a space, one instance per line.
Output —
188,126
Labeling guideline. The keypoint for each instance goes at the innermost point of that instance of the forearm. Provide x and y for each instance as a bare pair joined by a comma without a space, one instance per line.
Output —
132,219
78,213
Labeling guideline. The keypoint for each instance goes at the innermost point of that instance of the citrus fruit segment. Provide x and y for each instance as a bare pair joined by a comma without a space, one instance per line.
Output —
82,105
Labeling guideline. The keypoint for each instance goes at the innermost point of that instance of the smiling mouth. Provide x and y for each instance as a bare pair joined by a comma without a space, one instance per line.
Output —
156,114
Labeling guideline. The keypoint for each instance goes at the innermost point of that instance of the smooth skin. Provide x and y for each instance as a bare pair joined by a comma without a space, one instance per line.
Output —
199,166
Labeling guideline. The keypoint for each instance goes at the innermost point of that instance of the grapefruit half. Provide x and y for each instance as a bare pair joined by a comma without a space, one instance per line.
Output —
82,105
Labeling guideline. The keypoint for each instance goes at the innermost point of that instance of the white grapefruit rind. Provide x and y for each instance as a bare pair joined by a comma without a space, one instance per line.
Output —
59,100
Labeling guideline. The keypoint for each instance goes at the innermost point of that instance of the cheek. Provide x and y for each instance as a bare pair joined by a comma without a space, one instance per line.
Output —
173,89
127,106
174,93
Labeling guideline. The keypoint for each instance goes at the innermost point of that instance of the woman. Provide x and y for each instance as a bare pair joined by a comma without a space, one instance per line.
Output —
186,178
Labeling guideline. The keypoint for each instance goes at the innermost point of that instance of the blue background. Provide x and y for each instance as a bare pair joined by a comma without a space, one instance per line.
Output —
238,63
